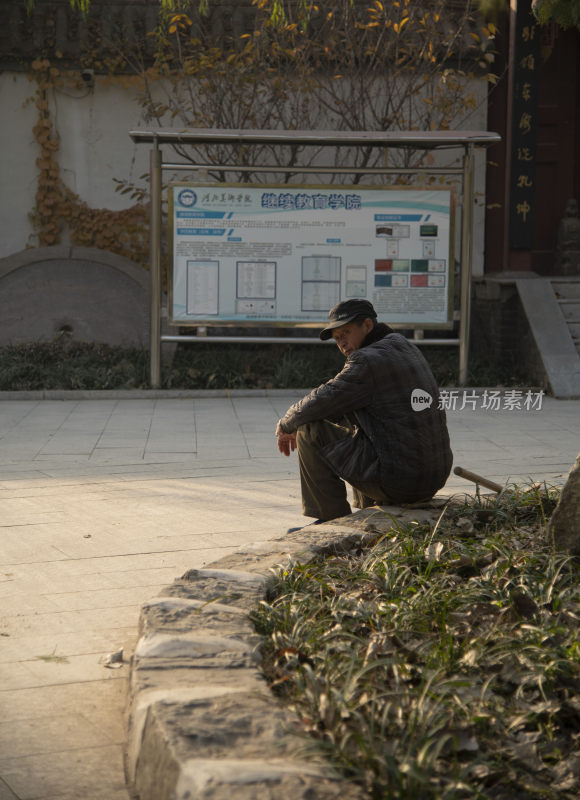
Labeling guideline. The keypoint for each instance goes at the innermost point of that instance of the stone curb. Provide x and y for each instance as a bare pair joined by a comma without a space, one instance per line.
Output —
176,394
146,394
202,722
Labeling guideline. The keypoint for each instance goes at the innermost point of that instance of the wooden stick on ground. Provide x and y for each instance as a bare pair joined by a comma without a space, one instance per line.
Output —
473,476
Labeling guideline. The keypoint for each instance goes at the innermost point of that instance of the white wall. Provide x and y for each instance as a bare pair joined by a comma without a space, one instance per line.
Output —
18,170
95,144
95,148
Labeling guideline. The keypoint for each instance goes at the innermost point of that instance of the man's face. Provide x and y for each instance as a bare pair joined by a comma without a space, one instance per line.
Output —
349,337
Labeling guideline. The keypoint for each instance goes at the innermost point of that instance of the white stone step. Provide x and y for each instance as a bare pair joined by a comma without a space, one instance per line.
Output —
570,310
552,334
566,288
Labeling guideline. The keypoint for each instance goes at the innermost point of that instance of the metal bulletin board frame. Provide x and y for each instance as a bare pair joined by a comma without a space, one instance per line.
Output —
415,140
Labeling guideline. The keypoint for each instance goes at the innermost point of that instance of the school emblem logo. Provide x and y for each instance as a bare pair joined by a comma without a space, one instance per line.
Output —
187,197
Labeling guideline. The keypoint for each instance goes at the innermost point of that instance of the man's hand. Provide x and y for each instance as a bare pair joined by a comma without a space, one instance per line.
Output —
286,441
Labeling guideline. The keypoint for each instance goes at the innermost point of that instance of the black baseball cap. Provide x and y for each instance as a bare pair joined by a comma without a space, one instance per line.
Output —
345,312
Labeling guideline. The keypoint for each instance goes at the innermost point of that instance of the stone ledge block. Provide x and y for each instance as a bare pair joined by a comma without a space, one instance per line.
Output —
172,696
203,723
226,745
224,586
194,645
155,676
264,565
267,548
229,575
255,780
238,724
202,607
177,615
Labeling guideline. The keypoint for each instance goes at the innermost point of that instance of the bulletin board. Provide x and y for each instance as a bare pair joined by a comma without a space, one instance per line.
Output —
280,255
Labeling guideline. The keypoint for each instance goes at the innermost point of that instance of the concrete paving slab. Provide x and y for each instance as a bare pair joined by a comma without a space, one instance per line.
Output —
6,792
93,642
51,668
29,737
94,772
153,488
14,675
81,600
93,699
64,622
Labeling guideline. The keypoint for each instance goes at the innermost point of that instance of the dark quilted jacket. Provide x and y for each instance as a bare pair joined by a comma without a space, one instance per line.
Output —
406,451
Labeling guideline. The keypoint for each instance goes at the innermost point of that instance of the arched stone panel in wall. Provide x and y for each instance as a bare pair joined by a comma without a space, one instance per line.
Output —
92,294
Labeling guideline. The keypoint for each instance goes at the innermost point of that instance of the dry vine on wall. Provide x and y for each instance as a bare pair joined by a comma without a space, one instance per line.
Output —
58,209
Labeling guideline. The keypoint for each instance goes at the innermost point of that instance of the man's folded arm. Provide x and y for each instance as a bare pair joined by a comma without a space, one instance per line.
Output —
350,390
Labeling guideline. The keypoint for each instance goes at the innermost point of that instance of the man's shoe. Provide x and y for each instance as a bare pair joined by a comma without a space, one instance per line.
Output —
300,527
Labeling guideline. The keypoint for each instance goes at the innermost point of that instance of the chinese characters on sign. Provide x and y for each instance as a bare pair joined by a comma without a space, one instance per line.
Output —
524,126
490,400
299,201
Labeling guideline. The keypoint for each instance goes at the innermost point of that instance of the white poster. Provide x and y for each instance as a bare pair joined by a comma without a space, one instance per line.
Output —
276,254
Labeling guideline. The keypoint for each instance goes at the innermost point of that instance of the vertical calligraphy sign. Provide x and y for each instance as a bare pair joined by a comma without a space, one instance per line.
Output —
524,128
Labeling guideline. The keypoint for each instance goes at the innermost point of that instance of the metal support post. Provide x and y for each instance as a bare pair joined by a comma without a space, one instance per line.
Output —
466,256
155,268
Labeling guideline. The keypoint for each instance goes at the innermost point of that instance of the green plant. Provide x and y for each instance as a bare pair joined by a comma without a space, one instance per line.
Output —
440,662
64,364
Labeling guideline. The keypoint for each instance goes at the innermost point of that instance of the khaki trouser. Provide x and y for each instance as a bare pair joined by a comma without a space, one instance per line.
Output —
323,491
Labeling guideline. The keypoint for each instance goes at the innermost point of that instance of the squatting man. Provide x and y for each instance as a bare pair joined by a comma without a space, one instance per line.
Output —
363,426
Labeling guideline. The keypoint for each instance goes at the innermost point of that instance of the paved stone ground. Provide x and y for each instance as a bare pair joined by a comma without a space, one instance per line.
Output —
103,502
